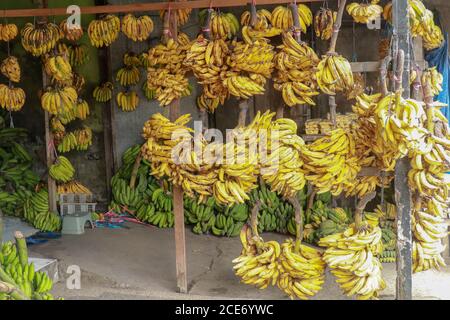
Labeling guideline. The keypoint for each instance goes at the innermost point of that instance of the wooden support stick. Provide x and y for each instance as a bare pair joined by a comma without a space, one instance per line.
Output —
2,226
337,26
333,112
178,208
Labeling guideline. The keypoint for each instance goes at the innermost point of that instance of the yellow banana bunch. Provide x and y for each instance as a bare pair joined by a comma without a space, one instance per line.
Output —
207,60
295,77
103,32
132,59
330,162
183,39
242,86
78,82
258,263
58,68
41,38
127,101
302,270
59,100
56,125
182,15
263,19
103,93
433,39
62,170
334,74
73,187
323,23
68,143
148,93
364,12
262,27
434,78
128,76
83,138
255,57
282,17
82,109
366,104
166,71
10,68
223,25
11,99
282,169
71,33
77,54
365,185
8,32
351,255
137,29
251,35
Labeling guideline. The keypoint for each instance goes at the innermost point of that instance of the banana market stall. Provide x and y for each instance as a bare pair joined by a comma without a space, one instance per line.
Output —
351,190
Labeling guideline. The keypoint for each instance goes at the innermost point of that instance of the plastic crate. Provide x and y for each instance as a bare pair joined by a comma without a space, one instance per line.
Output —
72,203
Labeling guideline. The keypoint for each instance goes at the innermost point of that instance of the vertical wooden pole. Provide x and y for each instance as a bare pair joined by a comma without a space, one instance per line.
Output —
178,209
402,191
49,143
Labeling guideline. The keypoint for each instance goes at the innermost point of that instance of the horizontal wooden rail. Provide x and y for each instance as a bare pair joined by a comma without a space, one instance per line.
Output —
139,7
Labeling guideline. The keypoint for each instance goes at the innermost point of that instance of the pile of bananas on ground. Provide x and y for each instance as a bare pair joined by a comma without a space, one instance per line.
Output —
421,23
40,38
334,74
11,99
103,32
351,255
182,15
37,212
72,32
282,170
20,280
127,101
223,25
330,162
323,23
58,100
302,270
73,187
295,77
58,68
282,18
8,32
364,12
10,68
207,59
258,263
103,92
166,72
77,53
62,170
137,28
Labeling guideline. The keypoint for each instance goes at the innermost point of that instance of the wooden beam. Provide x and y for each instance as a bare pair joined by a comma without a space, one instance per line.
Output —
178,208
139,7
402,50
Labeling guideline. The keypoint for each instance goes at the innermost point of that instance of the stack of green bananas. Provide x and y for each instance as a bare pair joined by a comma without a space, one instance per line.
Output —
62,170
387,217
21,276
36,211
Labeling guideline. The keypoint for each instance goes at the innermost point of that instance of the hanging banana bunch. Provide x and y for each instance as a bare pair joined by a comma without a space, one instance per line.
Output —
334,74
103,93
62,170
262,27
434,78
71,32
78,82
364,12
82,109
83,138
127,101
323,23
41,38
130,59
11,99
223,25
10,68
128,76
8,32
103,32
295,77
58,68
282,17
59,100
182,15
137,29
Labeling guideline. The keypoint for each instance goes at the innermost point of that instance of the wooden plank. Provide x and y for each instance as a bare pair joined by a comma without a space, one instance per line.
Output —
178,208
402,190
139,7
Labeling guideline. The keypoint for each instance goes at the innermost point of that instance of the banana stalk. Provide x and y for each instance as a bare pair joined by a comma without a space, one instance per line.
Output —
254,217
298,216
11,290
1,226
21,248
359,211
135,170
337,27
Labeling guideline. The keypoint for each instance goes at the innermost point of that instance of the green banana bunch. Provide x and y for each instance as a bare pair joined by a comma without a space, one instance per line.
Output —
62,170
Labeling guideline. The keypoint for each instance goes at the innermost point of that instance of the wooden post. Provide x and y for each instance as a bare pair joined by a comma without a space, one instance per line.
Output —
178,209
2,226
402,190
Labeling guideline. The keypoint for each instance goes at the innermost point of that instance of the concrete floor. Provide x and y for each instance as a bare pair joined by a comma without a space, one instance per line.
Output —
139,263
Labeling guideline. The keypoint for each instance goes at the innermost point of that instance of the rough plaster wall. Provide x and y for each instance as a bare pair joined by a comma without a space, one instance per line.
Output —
127,126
